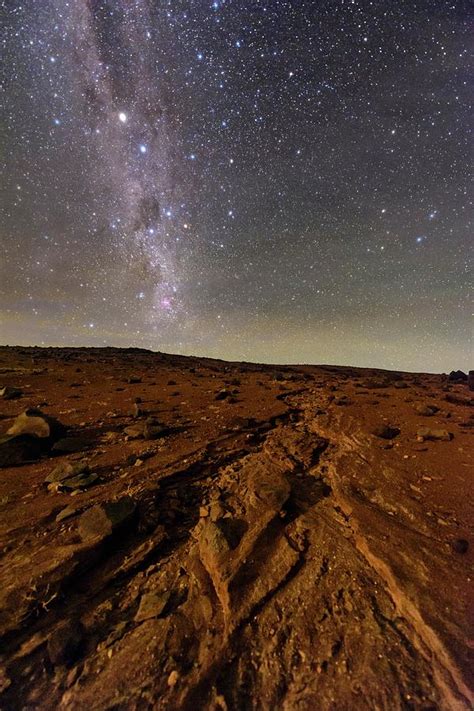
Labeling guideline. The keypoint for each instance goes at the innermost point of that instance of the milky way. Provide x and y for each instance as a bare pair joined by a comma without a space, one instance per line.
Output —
276,181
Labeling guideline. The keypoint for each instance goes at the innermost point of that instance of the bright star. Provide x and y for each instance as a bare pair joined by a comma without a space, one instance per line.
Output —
143,148
122,117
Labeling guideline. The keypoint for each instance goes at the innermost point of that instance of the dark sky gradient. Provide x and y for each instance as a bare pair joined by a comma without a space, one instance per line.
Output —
273,181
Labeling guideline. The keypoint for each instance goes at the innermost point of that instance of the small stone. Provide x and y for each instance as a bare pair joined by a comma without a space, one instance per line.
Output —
343,400
10,393
222,394
136,410
65,513
79,482
425,410
151,605
460,545
134,379
173,678
425,433
5,681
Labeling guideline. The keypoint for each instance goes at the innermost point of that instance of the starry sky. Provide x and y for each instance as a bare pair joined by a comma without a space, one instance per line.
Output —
265,180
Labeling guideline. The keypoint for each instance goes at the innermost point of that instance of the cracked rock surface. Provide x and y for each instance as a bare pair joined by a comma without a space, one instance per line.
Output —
270,549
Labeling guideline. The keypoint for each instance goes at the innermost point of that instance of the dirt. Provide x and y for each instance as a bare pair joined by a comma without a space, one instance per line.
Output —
260,549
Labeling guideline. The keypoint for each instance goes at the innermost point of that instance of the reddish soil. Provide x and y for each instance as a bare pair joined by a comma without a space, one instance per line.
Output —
277,554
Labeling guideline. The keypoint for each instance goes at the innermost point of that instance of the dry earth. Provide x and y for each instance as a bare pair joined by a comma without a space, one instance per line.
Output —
233,536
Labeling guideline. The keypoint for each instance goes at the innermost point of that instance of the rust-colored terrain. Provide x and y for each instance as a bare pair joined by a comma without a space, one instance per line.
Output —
210,535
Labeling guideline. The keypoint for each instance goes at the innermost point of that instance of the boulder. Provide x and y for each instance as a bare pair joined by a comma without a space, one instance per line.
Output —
470,380
457,376
35,423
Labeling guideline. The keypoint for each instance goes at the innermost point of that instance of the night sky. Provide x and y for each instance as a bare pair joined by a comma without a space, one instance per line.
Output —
274,181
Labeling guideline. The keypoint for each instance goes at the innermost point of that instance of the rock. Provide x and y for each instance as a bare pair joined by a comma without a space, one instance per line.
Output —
458,400
69,445
460,545
134,431
400,385
173,679
100,521
19,449
65,644
386,432
470,380
5,680
375,384
222,394
67,470
343,400
10,393
153,429
425,410
117,633
425,433
82,481
133,380
136,410
151,605
67,512
457,376
35,423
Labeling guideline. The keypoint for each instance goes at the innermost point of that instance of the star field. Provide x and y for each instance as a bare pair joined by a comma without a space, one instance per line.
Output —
280,181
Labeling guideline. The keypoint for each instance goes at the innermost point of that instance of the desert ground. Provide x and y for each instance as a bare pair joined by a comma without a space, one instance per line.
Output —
186,533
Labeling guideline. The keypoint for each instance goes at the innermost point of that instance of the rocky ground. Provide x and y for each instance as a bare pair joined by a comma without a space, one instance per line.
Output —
183,533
